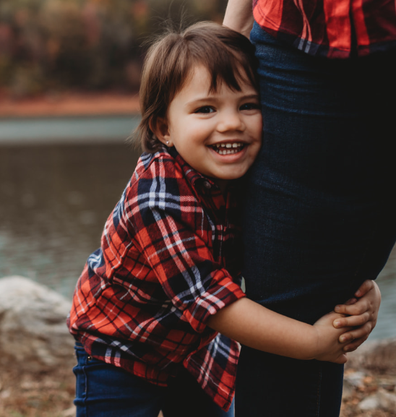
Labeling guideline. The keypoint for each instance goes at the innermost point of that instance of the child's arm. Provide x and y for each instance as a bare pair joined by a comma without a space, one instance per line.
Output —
362,313
260,328
239,16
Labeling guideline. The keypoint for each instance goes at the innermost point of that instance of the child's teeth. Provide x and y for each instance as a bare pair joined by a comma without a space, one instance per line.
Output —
228,148
228,145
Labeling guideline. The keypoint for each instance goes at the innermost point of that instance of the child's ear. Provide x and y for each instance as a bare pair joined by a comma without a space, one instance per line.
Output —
160,129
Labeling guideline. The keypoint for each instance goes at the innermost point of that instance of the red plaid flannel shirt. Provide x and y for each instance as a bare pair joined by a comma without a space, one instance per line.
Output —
324,27
164,267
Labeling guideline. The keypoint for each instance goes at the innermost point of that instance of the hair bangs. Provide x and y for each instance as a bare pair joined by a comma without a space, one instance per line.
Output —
223,58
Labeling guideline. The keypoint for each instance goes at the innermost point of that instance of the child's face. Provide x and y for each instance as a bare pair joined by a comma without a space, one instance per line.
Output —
218,133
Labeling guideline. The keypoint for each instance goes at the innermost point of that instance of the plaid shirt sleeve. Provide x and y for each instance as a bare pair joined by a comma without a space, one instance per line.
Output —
325,27
174,235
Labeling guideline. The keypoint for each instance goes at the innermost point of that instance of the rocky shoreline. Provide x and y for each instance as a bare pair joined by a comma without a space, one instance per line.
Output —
36,358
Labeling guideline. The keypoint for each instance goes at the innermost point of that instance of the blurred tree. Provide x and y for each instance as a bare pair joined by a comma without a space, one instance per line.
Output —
52,45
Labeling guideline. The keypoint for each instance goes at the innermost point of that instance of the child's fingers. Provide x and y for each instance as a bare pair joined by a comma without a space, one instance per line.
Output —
352,321
347,303
351,301
340,322
355,344
367,286
356,334
354,309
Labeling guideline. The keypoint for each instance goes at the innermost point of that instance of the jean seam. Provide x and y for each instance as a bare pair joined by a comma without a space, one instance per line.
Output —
81,363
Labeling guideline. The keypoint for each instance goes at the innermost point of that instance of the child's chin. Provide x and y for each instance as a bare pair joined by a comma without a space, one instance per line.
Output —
231,177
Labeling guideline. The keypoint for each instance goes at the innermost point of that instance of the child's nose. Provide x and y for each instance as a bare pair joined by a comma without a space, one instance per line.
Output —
230,121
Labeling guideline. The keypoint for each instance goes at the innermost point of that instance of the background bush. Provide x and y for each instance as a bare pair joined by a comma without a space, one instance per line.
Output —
48,46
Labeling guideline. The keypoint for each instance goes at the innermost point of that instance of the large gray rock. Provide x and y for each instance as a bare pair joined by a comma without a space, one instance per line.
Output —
33,333
381,400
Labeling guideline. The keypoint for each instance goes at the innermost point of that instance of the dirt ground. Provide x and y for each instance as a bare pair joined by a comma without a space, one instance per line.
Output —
36,394
51,394
370,385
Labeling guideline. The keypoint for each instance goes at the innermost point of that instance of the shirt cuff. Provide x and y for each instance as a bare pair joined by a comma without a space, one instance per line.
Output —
222,292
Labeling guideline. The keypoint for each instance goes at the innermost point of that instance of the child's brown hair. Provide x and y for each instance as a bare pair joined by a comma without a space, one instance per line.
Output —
227,55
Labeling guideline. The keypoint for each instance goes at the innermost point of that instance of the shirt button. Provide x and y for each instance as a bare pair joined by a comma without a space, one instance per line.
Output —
207,185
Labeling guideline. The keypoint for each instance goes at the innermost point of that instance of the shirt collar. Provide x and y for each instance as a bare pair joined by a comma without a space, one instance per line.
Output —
195,178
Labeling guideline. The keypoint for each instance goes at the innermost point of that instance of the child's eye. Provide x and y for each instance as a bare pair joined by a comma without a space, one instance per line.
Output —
205,109
250,106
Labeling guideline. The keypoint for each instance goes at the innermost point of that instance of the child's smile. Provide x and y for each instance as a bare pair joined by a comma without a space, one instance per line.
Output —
228,148
218,133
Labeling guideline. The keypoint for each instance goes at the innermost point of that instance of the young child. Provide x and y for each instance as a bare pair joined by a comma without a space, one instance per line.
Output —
148,305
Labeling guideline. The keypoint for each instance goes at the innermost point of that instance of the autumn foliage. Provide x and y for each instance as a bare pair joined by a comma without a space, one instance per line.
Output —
91,45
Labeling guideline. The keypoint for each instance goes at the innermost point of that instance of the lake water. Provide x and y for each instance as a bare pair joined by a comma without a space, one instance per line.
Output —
56,195
66,129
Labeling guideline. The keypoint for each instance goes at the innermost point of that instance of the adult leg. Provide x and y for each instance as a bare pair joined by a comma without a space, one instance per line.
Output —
186,398
319,209
104,390
286,387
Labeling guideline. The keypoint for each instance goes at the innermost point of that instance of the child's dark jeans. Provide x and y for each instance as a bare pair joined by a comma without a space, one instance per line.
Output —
104,390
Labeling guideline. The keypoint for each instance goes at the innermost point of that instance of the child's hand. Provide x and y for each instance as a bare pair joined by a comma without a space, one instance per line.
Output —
329,348
362,315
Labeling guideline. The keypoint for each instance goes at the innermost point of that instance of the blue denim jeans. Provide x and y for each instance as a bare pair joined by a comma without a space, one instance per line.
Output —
320,209
104,390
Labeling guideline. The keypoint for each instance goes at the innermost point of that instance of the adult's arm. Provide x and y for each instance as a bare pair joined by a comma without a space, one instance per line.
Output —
238,16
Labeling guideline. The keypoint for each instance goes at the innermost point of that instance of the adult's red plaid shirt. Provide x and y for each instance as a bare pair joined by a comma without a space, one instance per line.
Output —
168,256
330,27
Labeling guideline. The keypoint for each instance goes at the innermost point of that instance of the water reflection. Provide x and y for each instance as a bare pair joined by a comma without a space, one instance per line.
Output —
54,200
